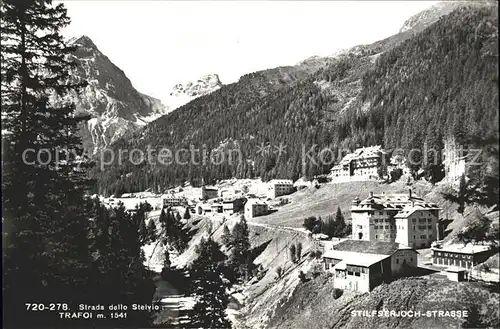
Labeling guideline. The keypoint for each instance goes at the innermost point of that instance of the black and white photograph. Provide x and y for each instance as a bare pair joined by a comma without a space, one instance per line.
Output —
250,164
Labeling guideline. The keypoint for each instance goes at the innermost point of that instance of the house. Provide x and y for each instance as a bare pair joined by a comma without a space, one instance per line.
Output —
363,164
170,200
301,184
402,218
217,208
363,265
456,274
461,256
203,208
279,187
255,208
207,193
233,204
229,192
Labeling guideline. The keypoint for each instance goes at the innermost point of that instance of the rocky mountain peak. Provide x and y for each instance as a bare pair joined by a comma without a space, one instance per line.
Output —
425,18
83,41
204,85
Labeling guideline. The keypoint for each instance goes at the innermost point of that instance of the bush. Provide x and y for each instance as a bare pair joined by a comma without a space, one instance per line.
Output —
309,223
302,277
337,293
298,251
279,271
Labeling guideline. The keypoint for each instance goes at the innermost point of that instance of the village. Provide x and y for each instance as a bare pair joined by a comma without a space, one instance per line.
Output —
392,235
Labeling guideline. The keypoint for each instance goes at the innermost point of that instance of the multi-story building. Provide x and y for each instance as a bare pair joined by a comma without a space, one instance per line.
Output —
362,265
363,164
417,225
402,218
233,204
279,187
255,208
461,256
173,201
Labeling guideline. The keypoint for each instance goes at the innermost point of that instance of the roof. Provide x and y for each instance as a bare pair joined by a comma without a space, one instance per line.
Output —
340,266
408,211
281,181
363,153
355,258
232,198
369,247
256,202
461,249
393,201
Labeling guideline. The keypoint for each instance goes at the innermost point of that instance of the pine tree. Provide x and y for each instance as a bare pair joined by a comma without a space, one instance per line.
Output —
298,252
209,286
240,255
226,236
163,217
473,319
293,256
340,225
462,194
143,231
151,229
46,249
187,214
166,259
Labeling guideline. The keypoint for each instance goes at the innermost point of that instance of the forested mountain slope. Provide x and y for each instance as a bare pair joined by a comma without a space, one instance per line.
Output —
400,92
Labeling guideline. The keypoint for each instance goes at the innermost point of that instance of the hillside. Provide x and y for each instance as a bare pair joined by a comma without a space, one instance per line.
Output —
385,93
316,300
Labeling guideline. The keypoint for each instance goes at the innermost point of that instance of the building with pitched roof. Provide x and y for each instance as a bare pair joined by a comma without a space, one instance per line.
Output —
279,187
255,208
364,163
362,265
401,218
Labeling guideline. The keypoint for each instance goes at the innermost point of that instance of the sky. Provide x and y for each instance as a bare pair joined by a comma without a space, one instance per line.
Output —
160,43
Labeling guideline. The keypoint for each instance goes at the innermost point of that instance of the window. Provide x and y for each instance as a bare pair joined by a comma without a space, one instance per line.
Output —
423,236
414,220
357,274
429,227
387,227
414,238
411,259
376,236
376,220
429,219
397,260
350,273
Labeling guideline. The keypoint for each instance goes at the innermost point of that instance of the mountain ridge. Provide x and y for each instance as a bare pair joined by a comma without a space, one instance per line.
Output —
115,106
